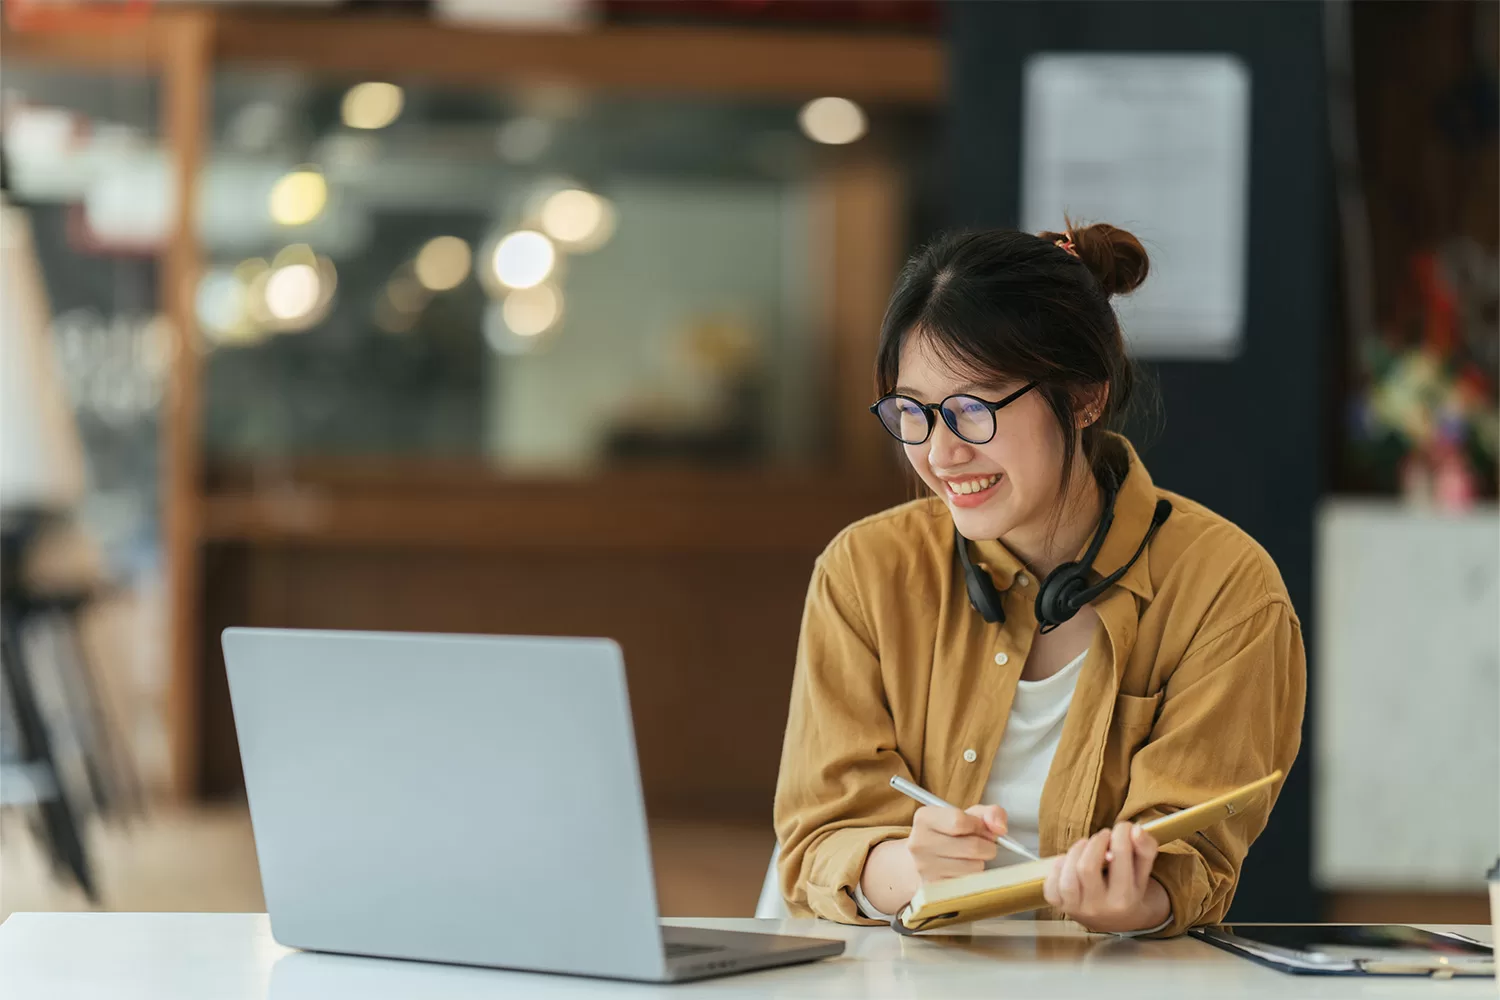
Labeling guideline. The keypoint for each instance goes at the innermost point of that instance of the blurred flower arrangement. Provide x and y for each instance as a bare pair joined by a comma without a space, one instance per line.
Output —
1428,422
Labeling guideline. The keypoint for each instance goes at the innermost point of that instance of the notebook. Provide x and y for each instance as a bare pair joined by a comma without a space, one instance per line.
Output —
1000,892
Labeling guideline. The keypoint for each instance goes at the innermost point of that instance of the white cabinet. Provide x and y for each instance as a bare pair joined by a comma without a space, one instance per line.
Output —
1407,674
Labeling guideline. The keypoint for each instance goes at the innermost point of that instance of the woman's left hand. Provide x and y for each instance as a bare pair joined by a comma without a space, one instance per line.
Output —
1105,882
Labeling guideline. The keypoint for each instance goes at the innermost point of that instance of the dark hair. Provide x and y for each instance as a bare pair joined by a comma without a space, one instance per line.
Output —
1005,304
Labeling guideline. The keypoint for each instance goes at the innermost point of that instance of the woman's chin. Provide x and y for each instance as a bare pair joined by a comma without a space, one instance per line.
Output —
980,521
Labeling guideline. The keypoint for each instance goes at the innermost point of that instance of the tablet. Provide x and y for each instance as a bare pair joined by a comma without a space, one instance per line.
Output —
1353,949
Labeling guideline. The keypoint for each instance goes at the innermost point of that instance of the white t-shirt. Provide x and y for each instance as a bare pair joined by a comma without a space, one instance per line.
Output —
1025,756
1022,762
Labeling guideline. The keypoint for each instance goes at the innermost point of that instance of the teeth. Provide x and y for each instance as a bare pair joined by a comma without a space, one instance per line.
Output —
973,485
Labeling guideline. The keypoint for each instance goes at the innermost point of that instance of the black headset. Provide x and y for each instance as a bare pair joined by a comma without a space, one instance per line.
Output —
1065,591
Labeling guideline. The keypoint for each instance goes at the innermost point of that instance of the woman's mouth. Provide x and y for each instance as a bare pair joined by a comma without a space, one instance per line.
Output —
970,492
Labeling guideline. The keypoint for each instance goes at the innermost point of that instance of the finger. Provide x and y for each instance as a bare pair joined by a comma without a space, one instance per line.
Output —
1068,889
1146,849
950,822
1049,885
993,817
1091,868
930,843
1123,890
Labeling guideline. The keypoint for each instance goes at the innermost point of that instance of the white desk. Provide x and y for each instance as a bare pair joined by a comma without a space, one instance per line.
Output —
230,956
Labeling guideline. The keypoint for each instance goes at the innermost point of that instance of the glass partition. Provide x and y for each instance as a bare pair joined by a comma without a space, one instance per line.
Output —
543,281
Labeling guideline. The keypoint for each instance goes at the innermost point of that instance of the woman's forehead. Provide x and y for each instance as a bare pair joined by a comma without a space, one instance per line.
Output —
928,372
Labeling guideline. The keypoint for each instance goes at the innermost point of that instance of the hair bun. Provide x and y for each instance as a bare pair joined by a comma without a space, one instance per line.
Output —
1113,255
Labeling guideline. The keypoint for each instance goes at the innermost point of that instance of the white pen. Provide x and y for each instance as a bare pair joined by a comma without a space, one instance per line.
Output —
914,791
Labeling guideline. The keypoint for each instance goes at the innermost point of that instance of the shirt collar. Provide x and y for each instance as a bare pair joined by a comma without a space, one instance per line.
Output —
1135,503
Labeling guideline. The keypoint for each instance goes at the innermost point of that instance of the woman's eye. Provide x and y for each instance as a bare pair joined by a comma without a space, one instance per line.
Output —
973,407
910,410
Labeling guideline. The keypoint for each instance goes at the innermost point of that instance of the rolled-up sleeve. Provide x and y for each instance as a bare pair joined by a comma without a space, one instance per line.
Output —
833,798
1232,713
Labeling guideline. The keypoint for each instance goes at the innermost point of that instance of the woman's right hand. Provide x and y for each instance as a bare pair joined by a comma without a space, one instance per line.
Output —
948,842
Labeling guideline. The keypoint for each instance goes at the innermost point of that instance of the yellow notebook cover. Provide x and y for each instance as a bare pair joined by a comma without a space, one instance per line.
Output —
999,892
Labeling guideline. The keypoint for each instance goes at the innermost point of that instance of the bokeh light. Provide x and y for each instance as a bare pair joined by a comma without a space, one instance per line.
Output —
406,293
372,105
443,263
529,312
835,121
220,305
298,197
581,220
293,292
523,259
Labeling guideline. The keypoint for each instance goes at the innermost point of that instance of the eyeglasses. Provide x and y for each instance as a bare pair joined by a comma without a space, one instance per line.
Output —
911,421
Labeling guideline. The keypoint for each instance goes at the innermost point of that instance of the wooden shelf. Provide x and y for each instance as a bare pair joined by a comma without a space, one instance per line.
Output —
715,62
136,47
698,61
669,512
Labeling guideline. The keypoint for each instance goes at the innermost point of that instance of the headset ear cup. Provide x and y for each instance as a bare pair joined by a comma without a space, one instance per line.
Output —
1055,598
983,597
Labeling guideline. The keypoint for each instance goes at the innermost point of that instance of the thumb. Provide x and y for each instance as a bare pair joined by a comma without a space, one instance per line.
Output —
993,817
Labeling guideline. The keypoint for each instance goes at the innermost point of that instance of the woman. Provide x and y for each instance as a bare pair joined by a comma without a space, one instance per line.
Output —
1148,685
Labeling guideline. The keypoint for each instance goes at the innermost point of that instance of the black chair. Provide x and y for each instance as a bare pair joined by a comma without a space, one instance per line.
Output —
29,768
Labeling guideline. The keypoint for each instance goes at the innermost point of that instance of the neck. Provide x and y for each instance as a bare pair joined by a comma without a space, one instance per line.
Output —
1044,549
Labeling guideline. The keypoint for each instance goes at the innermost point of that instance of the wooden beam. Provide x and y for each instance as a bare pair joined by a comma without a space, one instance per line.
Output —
864,202
186,85
698,61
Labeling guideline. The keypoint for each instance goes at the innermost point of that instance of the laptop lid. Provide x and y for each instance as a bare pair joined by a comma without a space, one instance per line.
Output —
453,798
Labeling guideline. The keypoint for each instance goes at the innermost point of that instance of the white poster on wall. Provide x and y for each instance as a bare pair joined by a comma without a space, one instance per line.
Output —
1157,144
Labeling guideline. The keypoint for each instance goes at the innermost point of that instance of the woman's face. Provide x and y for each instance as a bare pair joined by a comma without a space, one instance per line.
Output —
1005,488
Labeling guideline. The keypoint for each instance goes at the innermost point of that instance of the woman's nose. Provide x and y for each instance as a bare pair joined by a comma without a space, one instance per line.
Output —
945,449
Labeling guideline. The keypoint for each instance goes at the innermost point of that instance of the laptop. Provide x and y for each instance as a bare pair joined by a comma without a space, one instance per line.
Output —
463,799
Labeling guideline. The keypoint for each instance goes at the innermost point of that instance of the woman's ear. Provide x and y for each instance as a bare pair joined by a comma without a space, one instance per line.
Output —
1089,405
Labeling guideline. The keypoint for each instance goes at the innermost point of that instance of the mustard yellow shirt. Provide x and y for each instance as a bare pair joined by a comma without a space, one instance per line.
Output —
1194,684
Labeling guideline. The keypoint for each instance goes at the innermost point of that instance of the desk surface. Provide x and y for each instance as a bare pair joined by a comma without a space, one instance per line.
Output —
231,956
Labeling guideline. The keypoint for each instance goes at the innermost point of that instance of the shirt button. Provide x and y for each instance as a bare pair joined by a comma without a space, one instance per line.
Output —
970,756
1001,659
1023,579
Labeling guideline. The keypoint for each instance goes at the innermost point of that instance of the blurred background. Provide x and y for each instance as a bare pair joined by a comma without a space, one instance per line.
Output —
558,317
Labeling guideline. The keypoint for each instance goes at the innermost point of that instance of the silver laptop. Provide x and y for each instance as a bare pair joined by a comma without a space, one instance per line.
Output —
468,799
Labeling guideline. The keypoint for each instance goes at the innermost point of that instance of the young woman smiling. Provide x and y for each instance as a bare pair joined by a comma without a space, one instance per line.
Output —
1048,639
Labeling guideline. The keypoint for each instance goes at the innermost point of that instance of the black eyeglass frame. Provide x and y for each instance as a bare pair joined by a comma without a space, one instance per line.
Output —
930,410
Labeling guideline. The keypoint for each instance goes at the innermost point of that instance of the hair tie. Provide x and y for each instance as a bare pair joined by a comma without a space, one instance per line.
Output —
1067,244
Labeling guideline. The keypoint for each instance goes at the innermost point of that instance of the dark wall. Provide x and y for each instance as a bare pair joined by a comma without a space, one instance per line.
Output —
1245,437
